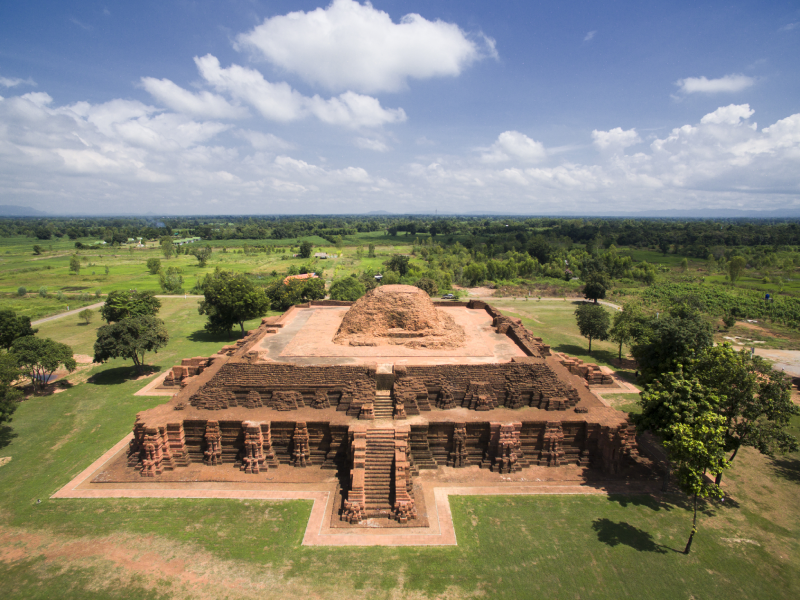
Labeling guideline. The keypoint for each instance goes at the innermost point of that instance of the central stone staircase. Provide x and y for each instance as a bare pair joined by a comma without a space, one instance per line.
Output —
383,404
378,469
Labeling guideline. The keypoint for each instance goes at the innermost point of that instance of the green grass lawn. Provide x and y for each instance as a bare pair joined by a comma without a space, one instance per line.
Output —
583,547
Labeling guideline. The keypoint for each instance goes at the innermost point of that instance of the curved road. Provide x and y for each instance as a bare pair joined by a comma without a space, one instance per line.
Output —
93,306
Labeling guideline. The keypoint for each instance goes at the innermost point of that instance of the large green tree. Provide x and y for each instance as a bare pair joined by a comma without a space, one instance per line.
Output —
698,448
347,288
625,325
41,357
202,254
130,338
124,304
231,299
9,396
593,322
399,263
295,291
305,249
13,327
755,399
666,342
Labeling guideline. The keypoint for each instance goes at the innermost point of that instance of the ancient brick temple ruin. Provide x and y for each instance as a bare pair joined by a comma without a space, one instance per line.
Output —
378,390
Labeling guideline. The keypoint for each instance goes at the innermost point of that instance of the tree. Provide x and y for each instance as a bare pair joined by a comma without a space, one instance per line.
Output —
230,299
167,247
398,263
122,305
9,396
698,449
593,322
666,342
428,285
74,264
130,338
41,357
85,316
755,400
171,281
475,273
625,325
347,288
202,254
296,291
671,401
735,268
13,327
595,287
37,249
371,251
305,249
153,265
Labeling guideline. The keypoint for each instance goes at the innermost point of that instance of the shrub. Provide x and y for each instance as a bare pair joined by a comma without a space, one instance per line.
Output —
22,290
43,292
86,316
98,293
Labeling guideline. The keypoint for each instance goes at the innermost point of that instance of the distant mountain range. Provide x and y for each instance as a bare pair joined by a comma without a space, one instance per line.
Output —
10,210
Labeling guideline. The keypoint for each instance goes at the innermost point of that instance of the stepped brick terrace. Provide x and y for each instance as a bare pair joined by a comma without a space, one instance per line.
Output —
371,394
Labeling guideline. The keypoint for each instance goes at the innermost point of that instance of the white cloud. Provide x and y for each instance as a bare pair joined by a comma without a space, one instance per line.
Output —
728,83
371,144
279,102
790,26
514,145
15,81
264,141
349,46
202,104
729,115
589,36
616,138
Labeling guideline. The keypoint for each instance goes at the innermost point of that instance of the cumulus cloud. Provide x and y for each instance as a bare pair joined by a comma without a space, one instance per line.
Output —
728,83
514,145
202,104
728,115
616,138
350,46
371,144
279,102
10,82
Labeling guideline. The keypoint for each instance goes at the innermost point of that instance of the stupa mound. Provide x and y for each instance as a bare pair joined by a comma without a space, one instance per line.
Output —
400,315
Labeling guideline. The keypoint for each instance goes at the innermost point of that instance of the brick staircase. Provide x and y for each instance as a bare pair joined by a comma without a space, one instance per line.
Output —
383,404
378,474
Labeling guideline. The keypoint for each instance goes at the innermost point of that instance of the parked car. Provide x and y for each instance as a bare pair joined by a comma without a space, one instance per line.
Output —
448,297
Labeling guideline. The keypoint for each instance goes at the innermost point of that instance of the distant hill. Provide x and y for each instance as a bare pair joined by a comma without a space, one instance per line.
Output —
10,210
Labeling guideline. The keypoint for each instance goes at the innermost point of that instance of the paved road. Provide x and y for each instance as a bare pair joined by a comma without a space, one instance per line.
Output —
93,306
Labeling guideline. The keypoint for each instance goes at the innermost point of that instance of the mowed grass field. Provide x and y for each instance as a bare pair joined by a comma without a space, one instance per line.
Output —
508,547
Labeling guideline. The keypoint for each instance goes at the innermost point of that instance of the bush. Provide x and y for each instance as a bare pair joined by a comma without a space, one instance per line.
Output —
43,292
153,265
98,293
86,316
22,290
729,320
428,285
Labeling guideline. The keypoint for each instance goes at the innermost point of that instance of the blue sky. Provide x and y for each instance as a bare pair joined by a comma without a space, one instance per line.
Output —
457,106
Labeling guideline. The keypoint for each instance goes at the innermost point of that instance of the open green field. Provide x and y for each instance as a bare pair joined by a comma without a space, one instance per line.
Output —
589,547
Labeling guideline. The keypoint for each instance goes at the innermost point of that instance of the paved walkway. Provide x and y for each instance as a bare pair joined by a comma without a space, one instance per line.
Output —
319,532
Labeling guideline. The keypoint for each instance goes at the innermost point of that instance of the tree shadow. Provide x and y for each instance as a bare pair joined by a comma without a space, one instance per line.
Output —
605,356
787,468
614,534
121,374
672,500
201,335
7,435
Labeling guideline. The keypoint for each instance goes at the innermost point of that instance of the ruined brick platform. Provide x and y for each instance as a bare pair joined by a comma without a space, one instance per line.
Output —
288,405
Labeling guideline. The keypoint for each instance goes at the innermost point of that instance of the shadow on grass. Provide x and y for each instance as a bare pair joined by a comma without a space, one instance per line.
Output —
202,335
614,534
674,500
7,435
603,355
787,468
121,374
